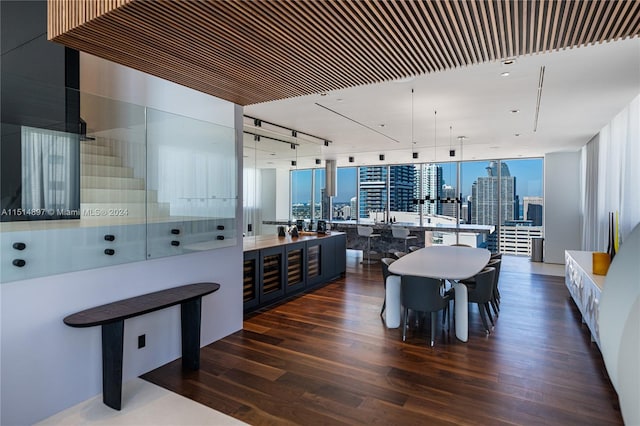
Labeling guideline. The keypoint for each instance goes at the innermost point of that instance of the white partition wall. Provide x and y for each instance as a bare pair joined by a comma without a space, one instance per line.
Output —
562,217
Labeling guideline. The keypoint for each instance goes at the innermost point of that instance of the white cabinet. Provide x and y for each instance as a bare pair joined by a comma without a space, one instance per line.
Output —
585,288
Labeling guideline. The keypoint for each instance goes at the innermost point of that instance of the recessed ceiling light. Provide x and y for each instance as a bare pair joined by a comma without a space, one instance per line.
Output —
273,153
515,111
339,100
381,125
508,61
505,74
517,134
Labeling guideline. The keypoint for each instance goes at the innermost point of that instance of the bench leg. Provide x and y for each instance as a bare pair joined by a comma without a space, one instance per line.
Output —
190,316
112,342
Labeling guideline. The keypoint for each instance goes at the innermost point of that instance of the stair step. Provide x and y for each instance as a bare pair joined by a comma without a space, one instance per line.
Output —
123,210
103,160
98,195
95,149
109,182
105,171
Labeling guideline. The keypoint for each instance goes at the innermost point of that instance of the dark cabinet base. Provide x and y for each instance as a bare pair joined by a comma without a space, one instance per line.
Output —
301,266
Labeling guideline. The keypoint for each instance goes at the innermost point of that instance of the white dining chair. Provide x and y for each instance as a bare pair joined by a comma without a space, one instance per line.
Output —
367,232
402,234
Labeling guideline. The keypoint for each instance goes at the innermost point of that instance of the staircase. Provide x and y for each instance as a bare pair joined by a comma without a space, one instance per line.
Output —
109,189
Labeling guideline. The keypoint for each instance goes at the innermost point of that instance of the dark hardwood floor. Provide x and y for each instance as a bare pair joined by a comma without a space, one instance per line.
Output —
327,358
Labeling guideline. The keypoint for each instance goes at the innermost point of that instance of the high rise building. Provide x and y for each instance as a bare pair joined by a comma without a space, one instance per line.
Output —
532,209
484,193
449,207
431,189
373,189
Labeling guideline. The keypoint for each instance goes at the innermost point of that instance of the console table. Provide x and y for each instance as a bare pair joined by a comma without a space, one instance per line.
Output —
585,288
111,317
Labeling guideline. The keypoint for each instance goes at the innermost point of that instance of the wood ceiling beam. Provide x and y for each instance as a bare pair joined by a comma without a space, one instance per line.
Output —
252,52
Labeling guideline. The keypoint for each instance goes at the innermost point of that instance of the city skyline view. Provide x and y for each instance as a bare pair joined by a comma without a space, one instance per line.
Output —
528,173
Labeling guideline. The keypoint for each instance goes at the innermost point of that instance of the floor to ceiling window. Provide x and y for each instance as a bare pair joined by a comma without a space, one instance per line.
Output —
504,193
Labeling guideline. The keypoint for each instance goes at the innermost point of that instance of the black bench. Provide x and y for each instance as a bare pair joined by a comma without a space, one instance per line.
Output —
111,317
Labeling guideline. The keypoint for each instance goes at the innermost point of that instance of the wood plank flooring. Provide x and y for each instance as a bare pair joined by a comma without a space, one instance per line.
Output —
326,358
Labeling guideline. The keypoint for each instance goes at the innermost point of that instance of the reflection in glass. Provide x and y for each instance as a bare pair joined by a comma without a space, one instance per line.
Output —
321,202
50,173
301,207
344,203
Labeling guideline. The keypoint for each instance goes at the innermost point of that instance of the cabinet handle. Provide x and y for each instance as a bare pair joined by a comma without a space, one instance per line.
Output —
220,237
175,243
109,252
19,246
220,227
19,263
175,231
109,237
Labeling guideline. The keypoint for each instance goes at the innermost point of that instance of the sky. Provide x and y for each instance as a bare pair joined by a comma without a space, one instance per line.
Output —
528,173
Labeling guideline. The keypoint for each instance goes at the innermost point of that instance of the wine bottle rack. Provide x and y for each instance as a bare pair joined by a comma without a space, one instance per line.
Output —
295,267
280,269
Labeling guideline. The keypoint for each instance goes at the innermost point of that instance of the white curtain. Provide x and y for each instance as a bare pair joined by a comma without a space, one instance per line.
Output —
611,178
50,170
590,234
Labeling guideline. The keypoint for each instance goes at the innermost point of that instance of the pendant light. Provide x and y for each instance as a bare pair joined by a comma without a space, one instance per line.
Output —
414,154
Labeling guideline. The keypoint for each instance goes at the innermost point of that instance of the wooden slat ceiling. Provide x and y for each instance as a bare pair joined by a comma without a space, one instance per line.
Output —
255,51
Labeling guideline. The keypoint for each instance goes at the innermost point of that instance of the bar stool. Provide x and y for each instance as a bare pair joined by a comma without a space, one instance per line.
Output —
403,234
367,231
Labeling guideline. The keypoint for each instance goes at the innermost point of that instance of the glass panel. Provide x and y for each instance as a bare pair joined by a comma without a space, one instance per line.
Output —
516,234
80,202
373,193
250,183
344,203
402,189
191,184
301,195
250,279
320,201
271,268
313,257
295,267
482,183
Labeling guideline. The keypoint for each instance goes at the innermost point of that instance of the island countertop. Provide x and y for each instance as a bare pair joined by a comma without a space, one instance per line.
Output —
260,242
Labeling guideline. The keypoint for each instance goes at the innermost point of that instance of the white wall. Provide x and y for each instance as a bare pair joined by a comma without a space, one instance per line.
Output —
47,366
562,217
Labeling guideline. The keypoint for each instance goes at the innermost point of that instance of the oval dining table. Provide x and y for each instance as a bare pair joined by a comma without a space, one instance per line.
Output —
452,263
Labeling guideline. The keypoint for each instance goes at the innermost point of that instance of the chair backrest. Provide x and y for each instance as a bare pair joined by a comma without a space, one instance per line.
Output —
414,248
495,263
364,231
399,254
386,261
496,256
483,290
422,293
399,232
461,245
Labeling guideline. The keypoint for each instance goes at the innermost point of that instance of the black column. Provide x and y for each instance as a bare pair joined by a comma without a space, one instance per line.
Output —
112,344
190,313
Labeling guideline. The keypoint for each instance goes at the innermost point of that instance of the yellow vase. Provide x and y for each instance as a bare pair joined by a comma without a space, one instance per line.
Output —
600,263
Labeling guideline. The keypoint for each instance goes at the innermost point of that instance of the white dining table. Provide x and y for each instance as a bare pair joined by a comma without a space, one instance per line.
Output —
452,263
